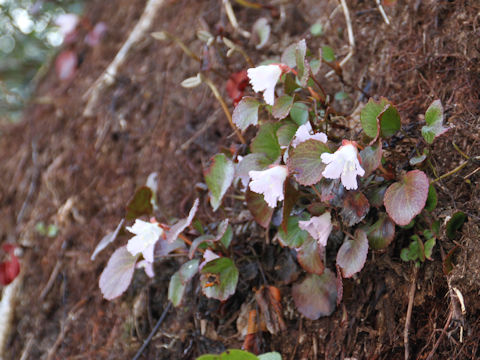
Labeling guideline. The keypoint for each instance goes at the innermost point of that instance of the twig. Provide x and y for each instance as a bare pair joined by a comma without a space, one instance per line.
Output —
33,182
444,331
411,295
153,332
219,97
458,168
351,38
233,20
108,76
51,280
210,121
382,11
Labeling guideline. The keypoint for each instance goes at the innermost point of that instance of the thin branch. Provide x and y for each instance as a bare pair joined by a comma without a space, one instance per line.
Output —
153,332
411,296
440,338
108,76
382,11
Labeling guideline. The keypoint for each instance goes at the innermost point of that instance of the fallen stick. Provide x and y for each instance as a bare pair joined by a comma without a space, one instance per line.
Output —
108,76
411,296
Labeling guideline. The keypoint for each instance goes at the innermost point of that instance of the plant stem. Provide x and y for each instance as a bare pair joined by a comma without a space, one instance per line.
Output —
457,169
219,97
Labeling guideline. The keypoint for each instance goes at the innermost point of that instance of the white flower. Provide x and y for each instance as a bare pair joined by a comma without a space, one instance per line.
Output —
269,183
305,132
147,266
67,23
264,78
319,227
146,236
343,164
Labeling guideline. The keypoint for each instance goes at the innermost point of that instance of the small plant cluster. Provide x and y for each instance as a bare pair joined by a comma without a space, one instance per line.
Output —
316,190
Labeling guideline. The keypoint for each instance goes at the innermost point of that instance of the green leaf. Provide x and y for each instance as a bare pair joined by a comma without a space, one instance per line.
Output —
406,199
294,237
382,233
341,95
305,163
303,69
219,177
246,113
434,120
219,278
432,198
286,133
232,354
289,56
429,244
179,281
328,54
140,204
299,113
455,224
316,295
266,141
270,356
353,253
225,233
381,116
282,106
316,29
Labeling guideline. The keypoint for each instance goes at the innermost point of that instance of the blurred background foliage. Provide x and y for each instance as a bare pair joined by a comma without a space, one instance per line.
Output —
29,39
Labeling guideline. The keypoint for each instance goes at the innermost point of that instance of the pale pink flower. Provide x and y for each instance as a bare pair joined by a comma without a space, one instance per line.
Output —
305,132
344,164
146,236
319,227
147,266
269,183
264,78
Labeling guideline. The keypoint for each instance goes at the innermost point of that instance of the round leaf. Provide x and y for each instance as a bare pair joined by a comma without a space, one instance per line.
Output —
455,223
434,120
246,113
405,199
353,253
262,213
382,233
266,141
305,163
282,106
294,237
219,278
310,256
315,296
355,208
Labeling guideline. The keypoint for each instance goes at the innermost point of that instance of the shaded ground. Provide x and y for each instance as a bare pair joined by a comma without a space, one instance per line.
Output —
84,170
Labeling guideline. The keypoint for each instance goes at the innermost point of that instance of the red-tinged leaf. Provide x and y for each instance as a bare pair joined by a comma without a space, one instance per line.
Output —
406,199
289,201
382,233
371,158
181,225
66,65
219,177
310,256
375,196
246,113
140,204
236,84
316,295
304,162
353,253
293,236
118,273
447,263
9,269
269,301
259,208
282,107
355,208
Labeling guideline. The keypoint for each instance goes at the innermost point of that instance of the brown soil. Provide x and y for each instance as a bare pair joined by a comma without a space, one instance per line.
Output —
60,167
